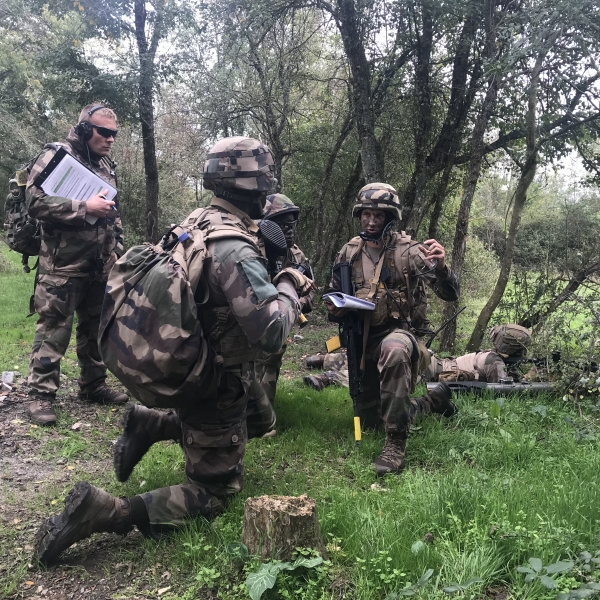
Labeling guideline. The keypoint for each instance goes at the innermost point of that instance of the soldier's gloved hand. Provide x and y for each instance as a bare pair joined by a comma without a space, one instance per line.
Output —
303,285
306,302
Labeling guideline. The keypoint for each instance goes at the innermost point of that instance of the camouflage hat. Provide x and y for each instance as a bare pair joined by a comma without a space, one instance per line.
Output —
379,196
279,204
510,338
239,162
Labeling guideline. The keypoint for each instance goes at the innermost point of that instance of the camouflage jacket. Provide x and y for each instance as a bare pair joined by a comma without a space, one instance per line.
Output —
244,312
477,366
404,304
70,246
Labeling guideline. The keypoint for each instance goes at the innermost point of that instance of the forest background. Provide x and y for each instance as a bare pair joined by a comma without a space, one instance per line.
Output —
470,109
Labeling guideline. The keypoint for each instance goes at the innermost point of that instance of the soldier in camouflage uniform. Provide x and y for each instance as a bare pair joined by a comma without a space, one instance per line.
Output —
245,314
508,341
391,270
80,241
284,212
335,365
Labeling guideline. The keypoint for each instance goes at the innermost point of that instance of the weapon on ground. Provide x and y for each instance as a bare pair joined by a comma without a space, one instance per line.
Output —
444,325
502,388
351,339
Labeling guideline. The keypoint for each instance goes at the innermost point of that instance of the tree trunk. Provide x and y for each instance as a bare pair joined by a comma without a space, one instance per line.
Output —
370,149
527,174
146,108
274,526
459,248
324,187
485,315
338,236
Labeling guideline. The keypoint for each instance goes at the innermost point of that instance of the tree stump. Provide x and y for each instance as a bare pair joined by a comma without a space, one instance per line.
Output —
274,526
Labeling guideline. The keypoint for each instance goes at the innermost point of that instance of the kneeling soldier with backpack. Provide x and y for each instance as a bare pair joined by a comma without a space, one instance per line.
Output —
187,337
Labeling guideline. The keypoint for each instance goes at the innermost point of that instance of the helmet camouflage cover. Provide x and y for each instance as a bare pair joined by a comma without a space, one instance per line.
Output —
510,338
239,162
378,196
279,204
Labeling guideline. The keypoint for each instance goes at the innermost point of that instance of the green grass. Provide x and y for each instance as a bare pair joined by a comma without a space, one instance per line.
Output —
492,492
16,331
487,493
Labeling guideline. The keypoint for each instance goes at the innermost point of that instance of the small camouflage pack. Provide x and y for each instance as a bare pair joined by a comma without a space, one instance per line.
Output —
150,336
22,231
510,339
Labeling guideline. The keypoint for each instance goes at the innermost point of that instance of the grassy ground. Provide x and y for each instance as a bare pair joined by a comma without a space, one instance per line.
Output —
482,493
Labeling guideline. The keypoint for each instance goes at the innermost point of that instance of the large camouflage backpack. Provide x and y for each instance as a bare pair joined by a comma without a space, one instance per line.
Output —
510,339
150,336
22,231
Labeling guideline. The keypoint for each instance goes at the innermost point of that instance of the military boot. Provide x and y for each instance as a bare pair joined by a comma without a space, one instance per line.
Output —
391,459
143,427
314,362
439,401
102,394
88,510
317,382
40,411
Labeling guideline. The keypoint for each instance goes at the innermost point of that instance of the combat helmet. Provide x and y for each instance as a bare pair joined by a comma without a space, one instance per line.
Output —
378,196
239,163
279,204
510,339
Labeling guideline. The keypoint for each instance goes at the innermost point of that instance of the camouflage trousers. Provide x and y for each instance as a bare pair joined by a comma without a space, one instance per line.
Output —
389,379
336,368
57,300
214,437
268,367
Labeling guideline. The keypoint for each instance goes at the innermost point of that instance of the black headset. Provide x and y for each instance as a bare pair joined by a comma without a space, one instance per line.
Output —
84,129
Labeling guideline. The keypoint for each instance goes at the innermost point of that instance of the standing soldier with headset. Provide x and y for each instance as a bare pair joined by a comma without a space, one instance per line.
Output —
390,269
80,241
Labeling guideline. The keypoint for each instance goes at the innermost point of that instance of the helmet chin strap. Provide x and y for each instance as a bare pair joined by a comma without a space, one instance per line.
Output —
377,237
252,204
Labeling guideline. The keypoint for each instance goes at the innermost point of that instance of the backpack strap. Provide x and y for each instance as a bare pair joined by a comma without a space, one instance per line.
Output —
234,210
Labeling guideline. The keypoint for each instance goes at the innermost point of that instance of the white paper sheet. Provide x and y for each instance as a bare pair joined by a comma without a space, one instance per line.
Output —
345,301
70,179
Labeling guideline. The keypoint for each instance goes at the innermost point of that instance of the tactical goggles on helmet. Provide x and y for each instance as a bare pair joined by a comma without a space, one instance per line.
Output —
105,132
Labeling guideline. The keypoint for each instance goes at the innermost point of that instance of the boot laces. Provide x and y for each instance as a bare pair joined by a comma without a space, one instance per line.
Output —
392,448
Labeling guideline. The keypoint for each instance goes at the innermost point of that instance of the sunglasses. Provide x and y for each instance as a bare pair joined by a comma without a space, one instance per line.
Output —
105,132
288,225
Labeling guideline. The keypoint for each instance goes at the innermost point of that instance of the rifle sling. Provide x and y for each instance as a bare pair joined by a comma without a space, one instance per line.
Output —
370,297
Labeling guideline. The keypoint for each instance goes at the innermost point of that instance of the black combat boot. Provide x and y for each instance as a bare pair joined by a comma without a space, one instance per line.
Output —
102,394
317,382
88,510
440,400
391,459
142,428
314,362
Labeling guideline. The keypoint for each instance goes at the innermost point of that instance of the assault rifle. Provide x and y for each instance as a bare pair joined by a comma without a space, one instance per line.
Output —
351,338
502,388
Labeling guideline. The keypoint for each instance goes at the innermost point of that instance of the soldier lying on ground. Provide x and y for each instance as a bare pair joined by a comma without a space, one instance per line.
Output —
507,340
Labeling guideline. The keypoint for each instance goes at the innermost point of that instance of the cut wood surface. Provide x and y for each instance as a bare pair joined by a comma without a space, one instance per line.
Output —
274,526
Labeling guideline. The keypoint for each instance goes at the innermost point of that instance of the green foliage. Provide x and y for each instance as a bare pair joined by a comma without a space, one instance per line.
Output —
412,588
264,579
537,572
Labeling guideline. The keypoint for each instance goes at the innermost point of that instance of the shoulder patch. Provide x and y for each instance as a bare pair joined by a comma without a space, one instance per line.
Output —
255,270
